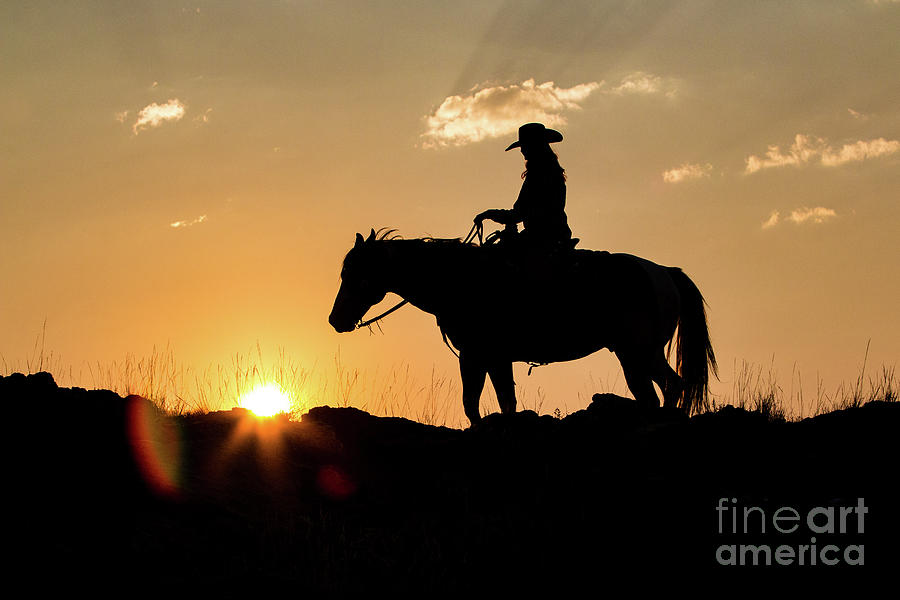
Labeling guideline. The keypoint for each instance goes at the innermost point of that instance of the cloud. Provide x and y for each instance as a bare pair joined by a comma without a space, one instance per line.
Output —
802,150
818,214
641,83
490,111
806,149
686,172
183,224
800,216
494,111
154,115
121,116
858,151
772,221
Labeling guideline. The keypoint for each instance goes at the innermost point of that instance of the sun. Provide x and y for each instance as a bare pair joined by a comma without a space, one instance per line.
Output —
266,400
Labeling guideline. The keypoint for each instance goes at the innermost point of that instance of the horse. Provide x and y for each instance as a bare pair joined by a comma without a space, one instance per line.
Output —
497,308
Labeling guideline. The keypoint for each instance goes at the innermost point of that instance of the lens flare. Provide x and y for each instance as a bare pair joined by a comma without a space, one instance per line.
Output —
156,446
266,400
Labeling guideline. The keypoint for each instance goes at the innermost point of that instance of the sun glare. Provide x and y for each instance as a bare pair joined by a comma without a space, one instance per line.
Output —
266,400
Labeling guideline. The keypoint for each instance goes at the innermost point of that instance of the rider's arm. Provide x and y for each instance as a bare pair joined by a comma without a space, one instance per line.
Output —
500,215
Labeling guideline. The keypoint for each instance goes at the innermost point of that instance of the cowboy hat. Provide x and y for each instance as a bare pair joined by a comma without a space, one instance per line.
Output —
535,133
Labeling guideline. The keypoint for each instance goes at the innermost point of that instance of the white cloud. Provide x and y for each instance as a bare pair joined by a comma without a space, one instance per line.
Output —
772,221
802,150
818,214
154,115
494,111
800,216
646,84
806,149
639,83
183,224
489,111
861,150
686,172
121,116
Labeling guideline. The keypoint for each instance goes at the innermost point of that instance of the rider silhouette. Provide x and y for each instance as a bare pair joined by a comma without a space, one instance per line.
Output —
541,204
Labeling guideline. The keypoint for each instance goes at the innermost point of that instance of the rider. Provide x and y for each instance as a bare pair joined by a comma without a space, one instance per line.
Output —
541,204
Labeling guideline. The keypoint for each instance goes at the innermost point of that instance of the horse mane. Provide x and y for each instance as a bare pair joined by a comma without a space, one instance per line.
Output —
434,240
388,234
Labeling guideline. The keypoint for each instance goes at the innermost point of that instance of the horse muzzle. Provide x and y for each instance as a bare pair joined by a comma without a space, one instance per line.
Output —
341,325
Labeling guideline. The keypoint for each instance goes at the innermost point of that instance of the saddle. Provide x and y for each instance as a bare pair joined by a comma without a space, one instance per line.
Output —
510,236
516,253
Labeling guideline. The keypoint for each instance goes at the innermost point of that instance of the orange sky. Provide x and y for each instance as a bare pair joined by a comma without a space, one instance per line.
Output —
192,174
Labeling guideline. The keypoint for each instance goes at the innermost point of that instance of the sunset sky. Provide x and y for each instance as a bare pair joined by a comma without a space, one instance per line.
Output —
193,173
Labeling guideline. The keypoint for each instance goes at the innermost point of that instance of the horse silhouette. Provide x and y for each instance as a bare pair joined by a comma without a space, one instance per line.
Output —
497,308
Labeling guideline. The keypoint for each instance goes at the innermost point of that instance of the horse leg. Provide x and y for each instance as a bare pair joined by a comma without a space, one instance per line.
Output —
502,378
473,373
637,376
668,380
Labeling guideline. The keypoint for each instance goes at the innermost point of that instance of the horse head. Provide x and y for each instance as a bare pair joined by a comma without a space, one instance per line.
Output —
360,289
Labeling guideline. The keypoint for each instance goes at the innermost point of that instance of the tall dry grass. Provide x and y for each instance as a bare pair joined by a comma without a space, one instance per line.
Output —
178,389
398,391
757,389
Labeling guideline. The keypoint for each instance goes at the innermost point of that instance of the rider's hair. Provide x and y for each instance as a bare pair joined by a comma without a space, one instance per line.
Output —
544,158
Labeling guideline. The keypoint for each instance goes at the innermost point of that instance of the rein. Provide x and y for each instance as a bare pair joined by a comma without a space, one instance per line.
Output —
362,324
476,231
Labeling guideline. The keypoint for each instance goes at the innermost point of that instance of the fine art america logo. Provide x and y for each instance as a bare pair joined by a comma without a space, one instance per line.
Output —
818,536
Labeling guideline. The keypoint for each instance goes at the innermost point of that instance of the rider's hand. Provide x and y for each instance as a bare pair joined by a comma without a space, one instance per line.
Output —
491,214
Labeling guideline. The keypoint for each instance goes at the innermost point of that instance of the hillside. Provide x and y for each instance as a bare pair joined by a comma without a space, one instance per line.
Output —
107,489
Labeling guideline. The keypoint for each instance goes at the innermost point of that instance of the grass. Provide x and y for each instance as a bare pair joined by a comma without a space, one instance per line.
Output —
758,390
177,389
398,392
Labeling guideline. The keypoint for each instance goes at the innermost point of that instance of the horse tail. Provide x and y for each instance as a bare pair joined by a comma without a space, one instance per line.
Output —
694,355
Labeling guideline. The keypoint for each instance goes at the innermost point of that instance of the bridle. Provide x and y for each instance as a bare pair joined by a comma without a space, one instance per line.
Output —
477,231
368,322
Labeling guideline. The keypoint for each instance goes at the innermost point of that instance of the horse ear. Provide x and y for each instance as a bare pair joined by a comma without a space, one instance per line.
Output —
371,236
359,240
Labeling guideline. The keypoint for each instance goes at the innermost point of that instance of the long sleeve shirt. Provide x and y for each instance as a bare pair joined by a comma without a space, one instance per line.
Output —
541,206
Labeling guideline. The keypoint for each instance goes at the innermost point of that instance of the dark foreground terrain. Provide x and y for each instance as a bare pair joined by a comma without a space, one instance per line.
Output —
108,495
